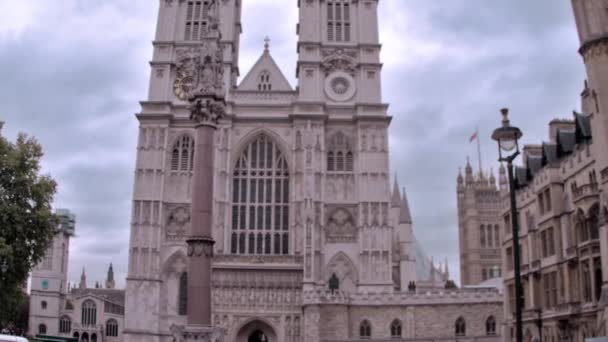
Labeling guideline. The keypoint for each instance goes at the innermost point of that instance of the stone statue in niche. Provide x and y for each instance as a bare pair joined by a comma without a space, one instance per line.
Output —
178,223
342,269
341,227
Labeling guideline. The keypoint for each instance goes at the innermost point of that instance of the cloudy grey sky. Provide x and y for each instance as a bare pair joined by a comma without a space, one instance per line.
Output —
73,72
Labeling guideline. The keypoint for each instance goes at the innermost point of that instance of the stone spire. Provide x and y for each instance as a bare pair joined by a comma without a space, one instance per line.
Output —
492,179
460,178
468,170
110,278
83,280
446,271
396,196
404,211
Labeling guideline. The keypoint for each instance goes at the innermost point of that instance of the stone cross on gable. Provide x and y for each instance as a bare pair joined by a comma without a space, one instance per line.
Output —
266,43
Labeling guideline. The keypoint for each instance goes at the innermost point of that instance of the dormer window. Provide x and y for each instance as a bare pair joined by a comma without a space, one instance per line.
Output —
264,81
196,19
338,21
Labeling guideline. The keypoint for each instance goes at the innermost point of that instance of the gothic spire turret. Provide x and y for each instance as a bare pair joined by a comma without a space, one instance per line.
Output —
110,278
396,196
83,280
405,215
468,170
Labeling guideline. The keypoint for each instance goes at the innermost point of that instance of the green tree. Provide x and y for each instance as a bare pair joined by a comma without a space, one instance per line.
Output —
27,223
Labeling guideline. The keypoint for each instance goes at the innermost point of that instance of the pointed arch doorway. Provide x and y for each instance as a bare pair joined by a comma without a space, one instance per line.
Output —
256,331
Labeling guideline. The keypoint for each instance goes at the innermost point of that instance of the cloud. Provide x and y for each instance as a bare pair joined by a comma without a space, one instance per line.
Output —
73,73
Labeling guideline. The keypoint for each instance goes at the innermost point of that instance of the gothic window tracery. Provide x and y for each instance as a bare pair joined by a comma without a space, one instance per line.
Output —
89,313
340,156
65,325
396,329
260,201
196,19
460,327
112,328
182,154
338,21
491,326
365,330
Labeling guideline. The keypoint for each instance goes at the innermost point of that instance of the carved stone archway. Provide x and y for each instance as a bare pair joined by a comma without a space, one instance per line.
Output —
256,331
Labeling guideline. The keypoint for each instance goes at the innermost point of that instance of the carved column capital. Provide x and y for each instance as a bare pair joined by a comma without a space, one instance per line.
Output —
207,111
199,246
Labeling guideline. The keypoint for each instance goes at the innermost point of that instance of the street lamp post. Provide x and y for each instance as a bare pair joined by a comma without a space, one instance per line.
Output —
507,138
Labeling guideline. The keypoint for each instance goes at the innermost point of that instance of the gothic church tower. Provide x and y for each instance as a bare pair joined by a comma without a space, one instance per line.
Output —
479,232
49,279
301,178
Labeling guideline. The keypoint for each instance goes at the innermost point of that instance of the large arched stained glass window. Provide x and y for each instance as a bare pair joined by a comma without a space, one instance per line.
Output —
89,313
260,200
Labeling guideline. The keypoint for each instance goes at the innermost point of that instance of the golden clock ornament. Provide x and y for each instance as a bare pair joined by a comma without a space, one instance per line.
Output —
182,86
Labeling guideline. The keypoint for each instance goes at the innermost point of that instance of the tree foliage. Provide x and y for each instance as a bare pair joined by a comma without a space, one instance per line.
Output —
27,223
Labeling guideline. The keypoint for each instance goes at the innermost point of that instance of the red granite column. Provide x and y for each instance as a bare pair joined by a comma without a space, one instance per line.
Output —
200,242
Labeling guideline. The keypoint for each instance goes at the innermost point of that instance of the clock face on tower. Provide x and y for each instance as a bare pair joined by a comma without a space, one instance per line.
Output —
182,85
45,284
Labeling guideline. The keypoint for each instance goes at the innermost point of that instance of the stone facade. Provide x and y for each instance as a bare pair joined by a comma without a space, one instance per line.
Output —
302,206
479,222
562,207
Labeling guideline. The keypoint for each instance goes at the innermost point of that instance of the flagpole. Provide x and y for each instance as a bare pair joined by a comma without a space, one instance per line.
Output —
479,152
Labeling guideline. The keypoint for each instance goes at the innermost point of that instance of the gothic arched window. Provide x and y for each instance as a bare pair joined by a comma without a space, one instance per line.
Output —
42,329
43,305
183,295
196,19
182,154
396,329
491,326
593,222
365,329
89,313
65,325
112,328
340,156
260,200
338,20
460,327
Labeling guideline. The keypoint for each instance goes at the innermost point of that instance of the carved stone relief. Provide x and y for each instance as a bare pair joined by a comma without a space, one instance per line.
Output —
178,223
341,227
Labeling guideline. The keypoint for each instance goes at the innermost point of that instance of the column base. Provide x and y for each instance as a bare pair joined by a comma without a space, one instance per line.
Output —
197,333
